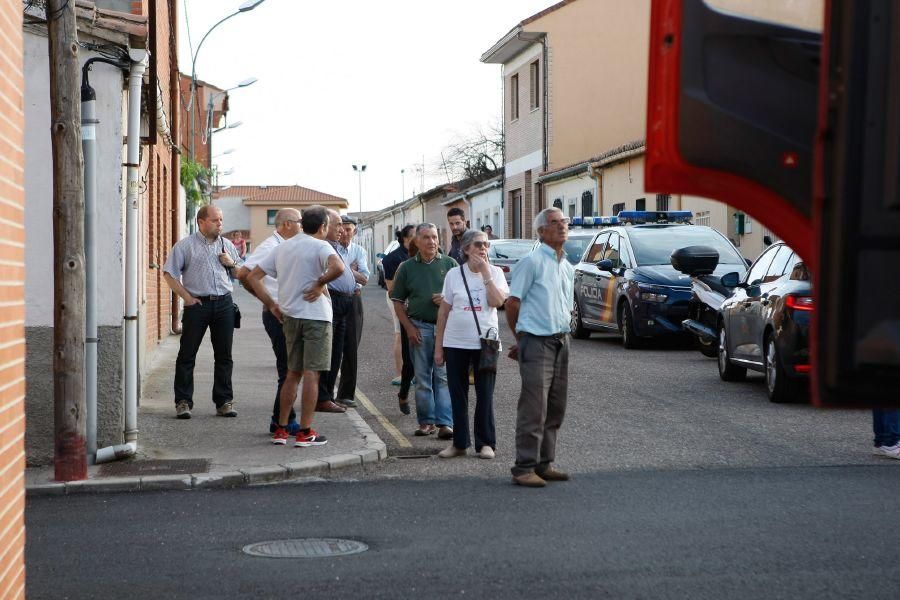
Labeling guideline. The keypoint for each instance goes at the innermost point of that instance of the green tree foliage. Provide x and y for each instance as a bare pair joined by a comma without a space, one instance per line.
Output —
193,177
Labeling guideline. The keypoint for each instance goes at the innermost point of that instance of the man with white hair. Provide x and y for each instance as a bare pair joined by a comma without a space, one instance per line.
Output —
539,312
287,225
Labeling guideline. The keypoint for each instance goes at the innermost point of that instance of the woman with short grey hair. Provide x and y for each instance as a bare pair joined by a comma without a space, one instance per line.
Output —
472,292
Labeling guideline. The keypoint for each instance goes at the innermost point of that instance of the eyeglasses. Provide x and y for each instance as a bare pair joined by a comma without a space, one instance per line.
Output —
563,221
291,221
480,244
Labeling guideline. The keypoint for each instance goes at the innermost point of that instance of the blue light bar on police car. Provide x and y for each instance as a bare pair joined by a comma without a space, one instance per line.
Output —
607,220
637,217
576,221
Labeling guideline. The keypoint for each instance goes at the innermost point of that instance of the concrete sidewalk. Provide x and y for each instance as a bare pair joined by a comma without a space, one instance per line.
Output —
210,451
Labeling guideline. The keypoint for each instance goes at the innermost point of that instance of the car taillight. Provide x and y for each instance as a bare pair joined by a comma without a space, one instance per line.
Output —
799,302
504,268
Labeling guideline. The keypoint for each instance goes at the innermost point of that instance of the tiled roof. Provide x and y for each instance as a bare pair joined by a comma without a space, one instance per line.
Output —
280,194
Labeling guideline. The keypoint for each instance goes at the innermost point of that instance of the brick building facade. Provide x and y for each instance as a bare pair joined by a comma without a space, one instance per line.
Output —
12,301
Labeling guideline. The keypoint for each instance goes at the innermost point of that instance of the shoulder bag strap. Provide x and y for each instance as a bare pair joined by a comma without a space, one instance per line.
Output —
462,271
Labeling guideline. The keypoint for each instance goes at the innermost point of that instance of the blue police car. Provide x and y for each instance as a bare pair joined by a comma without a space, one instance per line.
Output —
625,281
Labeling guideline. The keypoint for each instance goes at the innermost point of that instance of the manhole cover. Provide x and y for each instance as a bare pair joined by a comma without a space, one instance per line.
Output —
181,466
305,548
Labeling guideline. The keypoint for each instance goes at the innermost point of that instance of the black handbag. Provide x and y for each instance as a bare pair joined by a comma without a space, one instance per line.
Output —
490,347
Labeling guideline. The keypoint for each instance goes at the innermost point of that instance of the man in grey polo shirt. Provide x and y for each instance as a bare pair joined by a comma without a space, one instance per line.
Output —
199,270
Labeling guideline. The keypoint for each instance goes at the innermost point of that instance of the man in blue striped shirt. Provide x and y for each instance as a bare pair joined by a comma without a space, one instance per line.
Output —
199,270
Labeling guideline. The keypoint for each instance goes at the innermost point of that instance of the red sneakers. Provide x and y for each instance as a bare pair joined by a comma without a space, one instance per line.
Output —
310,438
279,438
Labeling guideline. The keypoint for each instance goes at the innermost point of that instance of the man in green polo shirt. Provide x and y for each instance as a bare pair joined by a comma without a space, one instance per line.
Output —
417,295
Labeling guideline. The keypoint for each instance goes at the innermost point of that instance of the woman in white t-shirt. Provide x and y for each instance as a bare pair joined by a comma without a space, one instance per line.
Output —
458,342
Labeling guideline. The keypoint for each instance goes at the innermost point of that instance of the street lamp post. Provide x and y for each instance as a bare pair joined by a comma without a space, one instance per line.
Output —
359,171
402,184
244,7
209,117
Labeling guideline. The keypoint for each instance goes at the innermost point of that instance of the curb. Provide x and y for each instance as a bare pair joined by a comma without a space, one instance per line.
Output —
375,450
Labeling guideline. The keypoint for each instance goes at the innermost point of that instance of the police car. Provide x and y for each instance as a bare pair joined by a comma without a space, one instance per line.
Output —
625,281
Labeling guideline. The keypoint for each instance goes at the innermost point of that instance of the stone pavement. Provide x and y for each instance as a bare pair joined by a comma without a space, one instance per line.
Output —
224,451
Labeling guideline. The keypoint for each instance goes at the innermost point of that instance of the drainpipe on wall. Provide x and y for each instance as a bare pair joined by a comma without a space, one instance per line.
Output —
598,189
140,59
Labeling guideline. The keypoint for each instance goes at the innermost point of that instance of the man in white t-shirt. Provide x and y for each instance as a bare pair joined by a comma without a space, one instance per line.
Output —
303,267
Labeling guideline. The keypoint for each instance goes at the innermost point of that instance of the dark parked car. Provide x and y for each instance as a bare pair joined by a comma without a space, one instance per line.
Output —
379,257
764,326
625,281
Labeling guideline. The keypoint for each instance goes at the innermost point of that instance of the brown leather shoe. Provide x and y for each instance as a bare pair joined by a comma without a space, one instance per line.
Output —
329,407
551,474
529,480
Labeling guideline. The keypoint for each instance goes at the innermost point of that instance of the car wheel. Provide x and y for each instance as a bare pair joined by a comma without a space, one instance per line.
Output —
708,349
578,329
779,387
727,370
626,326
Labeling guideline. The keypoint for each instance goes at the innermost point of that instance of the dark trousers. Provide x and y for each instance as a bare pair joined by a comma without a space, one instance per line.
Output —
218,316
279,347
459,361
407,371
342,311
347,385
544,368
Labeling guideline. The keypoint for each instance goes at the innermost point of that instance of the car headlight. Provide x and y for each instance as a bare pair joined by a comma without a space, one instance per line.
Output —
653,294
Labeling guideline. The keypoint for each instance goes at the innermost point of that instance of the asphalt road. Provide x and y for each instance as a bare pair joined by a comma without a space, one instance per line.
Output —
683,487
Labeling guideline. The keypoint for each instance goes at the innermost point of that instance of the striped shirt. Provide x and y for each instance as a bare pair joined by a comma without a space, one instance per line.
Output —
195,261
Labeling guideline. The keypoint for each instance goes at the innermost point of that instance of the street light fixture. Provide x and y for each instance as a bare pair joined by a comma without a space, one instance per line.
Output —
402,184
359,171
209,116
245,7
229,151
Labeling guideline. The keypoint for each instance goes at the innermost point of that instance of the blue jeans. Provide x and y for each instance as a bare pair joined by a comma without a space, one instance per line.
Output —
432,394
886,425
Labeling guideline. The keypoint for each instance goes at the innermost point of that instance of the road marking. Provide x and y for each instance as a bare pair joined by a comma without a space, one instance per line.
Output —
388,426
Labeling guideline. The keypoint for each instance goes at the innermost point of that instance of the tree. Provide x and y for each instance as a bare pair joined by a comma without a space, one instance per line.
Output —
194,179
474,155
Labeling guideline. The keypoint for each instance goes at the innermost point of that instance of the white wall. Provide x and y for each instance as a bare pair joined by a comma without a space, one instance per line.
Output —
235,214
108,82
486,210
570,191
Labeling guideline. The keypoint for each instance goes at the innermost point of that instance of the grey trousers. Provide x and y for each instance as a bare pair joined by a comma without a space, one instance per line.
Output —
544,368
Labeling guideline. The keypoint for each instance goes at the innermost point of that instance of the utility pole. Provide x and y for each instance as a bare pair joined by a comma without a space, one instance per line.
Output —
70,452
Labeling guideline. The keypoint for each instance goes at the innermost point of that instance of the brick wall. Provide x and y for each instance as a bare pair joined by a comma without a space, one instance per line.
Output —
159,196
12,304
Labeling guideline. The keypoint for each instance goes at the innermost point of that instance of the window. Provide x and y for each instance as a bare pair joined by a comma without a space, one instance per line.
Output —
596,251
617,208
270,216
759,268
514,97
640,204
587,203
535,85
776,270
662,201
702,218
612,250
515,200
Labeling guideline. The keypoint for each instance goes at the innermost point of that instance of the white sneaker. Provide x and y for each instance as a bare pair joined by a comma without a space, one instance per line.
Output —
887,451
452,451
486,452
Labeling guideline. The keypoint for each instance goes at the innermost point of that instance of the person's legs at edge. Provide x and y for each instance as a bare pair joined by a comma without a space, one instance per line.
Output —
458,361
556,403
276,336
423,364
886,427
194,321
536,371
484,406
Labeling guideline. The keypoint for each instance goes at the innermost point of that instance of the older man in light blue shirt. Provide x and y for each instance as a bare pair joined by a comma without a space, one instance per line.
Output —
539,311
357,259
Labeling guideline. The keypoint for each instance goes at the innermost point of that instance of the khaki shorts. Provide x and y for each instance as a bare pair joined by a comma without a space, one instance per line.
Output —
308,344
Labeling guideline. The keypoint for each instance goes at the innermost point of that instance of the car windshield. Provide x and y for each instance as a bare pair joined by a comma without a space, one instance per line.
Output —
510,248
654,245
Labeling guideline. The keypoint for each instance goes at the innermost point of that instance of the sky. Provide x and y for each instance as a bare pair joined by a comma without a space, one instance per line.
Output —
343,82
